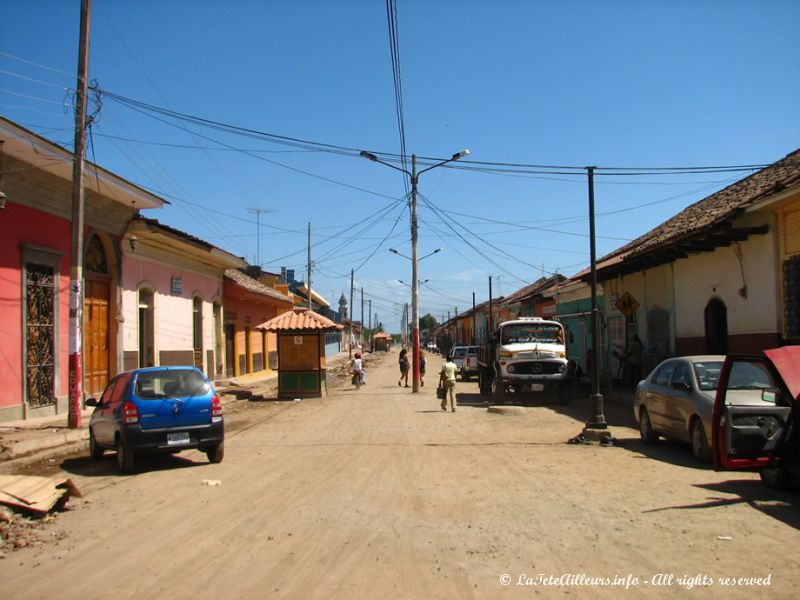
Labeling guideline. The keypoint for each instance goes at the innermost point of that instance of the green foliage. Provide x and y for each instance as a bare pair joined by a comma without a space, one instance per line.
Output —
428,322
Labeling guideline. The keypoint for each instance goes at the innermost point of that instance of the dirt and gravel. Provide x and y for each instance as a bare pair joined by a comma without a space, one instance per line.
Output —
377,493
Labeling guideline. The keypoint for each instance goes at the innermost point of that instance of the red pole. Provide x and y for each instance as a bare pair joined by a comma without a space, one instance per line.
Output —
76,263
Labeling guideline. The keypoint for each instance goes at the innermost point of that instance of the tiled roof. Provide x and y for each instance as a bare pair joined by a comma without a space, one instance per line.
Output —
299,319
381,335
715,209
534,288
254,286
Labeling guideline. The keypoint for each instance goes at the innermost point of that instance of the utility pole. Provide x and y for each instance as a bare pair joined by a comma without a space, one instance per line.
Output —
473,318
309,266
362,317
370,320
350,335
76,259
597,420
414,280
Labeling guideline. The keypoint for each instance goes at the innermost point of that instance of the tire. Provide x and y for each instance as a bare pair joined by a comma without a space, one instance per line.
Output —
484,383
498,391
126,460
216,453
646,431
95,451
564,392
464,375
700,447
775,478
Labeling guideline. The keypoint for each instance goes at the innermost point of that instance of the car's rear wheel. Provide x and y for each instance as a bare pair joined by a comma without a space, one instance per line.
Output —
646,431
700,448
216,453
776,478
126,460
95,450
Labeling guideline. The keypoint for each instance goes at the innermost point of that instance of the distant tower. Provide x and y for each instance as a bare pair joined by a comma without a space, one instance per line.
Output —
342,308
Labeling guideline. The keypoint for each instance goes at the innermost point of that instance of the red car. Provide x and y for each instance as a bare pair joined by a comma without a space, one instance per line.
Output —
765,437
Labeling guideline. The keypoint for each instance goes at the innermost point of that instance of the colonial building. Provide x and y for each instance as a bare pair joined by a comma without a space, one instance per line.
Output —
172,298
249,303
35,258
721,276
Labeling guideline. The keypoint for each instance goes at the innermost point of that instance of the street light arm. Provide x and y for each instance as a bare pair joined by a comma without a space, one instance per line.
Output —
373,158
455,156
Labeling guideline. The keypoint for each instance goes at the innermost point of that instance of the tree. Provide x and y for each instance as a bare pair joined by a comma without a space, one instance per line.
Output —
428,322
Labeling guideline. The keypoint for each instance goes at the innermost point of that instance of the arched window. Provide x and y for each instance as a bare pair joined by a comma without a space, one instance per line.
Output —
716,317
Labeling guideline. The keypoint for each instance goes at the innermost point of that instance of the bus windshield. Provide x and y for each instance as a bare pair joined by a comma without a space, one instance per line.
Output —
526,333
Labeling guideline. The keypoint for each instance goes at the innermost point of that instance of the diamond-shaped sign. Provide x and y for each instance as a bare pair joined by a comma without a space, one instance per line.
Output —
627,305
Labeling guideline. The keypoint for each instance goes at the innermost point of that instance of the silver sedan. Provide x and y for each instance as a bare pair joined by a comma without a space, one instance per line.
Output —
677,398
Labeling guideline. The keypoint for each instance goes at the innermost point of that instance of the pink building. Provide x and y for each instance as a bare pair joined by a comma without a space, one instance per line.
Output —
172,293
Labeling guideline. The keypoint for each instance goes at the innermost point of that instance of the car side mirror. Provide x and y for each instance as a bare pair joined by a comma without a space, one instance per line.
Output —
681,386
771,395
92,402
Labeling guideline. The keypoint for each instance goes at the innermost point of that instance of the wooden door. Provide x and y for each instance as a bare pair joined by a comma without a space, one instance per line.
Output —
95,332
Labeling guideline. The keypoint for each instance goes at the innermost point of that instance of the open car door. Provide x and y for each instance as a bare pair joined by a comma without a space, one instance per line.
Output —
754,436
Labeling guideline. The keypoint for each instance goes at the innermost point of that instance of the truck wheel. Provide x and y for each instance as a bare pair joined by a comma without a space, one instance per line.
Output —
484,383
499,391
564,392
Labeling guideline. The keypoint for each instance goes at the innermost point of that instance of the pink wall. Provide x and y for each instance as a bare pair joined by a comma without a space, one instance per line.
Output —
21,225
174,327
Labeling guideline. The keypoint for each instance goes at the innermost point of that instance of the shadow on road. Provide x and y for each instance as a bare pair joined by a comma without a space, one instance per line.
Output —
782,506
85,466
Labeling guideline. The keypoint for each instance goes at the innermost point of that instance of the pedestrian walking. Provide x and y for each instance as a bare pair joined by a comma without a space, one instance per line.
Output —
404,364
447,381
423,362
634,360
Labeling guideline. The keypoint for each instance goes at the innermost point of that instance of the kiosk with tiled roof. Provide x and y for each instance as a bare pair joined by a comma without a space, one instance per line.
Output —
301,352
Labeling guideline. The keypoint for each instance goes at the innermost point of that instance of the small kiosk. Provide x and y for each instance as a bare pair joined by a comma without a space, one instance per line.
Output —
381,342
301,352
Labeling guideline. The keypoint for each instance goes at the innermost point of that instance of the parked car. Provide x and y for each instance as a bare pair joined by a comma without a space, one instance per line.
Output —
470,365
157,410
431,346
458,352
677,400
763,435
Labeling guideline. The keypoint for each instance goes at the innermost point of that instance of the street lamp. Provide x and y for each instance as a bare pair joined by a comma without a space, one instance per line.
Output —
421,282
414,260
393,251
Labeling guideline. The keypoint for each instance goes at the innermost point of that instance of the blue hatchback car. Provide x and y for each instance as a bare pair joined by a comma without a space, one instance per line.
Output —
157,410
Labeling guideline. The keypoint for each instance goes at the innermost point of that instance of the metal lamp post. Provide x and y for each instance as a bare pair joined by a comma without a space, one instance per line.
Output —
414,260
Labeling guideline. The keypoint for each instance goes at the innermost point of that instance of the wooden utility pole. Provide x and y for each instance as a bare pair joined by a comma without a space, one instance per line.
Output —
362,316
350,336
309,266
473,318
76,260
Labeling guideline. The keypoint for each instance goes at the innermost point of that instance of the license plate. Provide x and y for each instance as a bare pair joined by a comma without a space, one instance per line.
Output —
537,387
181,437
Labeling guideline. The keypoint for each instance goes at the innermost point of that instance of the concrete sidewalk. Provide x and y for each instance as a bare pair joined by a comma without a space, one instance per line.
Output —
30,440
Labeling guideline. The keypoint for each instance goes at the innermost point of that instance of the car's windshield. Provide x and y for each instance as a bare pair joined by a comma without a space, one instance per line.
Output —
543,333
707,373
172,383
459,352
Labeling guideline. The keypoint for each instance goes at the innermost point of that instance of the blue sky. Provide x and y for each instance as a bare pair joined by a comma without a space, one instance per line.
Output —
612,84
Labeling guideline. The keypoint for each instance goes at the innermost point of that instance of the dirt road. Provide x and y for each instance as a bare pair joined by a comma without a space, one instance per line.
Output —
377,493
